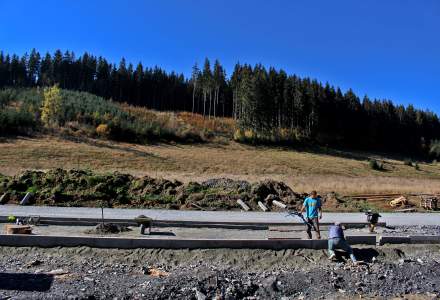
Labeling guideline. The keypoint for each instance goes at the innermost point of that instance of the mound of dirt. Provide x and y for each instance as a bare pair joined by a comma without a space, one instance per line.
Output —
107,228
61,187
227,184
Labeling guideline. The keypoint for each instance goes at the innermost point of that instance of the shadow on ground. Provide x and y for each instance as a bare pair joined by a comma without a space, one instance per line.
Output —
164,233
363,254
25,282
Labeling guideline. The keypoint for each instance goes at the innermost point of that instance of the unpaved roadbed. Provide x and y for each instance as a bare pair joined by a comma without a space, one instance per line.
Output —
86,273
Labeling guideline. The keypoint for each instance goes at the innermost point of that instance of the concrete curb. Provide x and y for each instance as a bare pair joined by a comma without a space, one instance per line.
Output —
382,240
131,243
410,239
425,239
170,223
361,239
20,240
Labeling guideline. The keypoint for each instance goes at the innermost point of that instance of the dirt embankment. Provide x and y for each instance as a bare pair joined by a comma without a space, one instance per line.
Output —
410,271
60,187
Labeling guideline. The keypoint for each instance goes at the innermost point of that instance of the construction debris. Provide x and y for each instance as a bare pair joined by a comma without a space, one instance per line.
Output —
404,210
154,272
26,198
57,272
262,206
60,187
18,229
4,198
243,205
429,203
401,201
279,204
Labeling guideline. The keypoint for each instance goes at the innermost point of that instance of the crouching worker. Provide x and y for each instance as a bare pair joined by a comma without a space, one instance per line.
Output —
336,240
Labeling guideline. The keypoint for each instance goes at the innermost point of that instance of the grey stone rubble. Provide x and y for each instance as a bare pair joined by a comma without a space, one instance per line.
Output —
85,273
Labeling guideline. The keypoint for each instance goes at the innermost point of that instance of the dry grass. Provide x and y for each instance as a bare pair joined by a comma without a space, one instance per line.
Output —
184,122
340,172
221,126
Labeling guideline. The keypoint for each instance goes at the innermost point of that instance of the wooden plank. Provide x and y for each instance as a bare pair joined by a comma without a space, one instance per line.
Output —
405,210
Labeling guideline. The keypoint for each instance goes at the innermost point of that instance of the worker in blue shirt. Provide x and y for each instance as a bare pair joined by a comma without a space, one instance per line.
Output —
336,240
312,207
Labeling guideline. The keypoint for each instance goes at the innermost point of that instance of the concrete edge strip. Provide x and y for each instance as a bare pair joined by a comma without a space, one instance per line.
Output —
172,223
409,239
131,243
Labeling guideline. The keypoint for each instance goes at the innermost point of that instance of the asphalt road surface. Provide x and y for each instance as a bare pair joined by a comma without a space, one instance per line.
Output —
392,219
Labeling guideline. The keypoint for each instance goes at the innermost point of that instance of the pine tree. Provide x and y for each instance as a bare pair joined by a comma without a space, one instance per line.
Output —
195,81
207,85
219,80
46,71
33,67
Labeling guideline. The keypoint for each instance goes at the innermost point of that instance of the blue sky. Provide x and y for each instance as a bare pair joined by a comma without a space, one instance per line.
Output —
386,49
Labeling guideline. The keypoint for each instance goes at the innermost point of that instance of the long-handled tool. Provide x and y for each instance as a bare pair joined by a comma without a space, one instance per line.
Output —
294,213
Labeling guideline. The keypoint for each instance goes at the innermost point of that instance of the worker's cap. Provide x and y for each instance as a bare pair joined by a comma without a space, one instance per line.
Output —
338,223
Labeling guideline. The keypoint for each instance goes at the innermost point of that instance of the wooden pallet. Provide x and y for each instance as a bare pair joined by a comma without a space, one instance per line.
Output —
430,203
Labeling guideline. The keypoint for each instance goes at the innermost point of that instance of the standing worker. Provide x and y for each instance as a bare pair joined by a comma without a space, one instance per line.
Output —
336,240
312,207
373,219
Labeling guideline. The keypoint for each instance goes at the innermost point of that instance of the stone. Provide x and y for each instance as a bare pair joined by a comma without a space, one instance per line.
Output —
200,295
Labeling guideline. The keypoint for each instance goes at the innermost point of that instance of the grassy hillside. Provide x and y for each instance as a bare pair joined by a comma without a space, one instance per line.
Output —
79,114
92,133
301,170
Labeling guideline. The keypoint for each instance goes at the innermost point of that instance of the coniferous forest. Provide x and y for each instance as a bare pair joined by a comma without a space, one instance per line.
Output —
268,104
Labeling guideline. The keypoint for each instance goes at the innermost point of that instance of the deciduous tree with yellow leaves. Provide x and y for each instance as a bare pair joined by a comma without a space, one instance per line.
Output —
51,108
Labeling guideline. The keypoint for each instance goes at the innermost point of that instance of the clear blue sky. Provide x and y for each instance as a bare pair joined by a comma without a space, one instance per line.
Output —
386,49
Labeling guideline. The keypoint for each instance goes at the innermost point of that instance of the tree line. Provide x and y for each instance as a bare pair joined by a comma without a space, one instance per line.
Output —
268,104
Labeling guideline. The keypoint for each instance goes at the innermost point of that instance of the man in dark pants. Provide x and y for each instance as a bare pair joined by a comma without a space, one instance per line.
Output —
373,219
312,207
336,240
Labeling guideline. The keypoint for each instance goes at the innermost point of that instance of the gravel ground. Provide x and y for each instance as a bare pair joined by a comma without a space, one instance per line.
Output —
408,230
86,273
